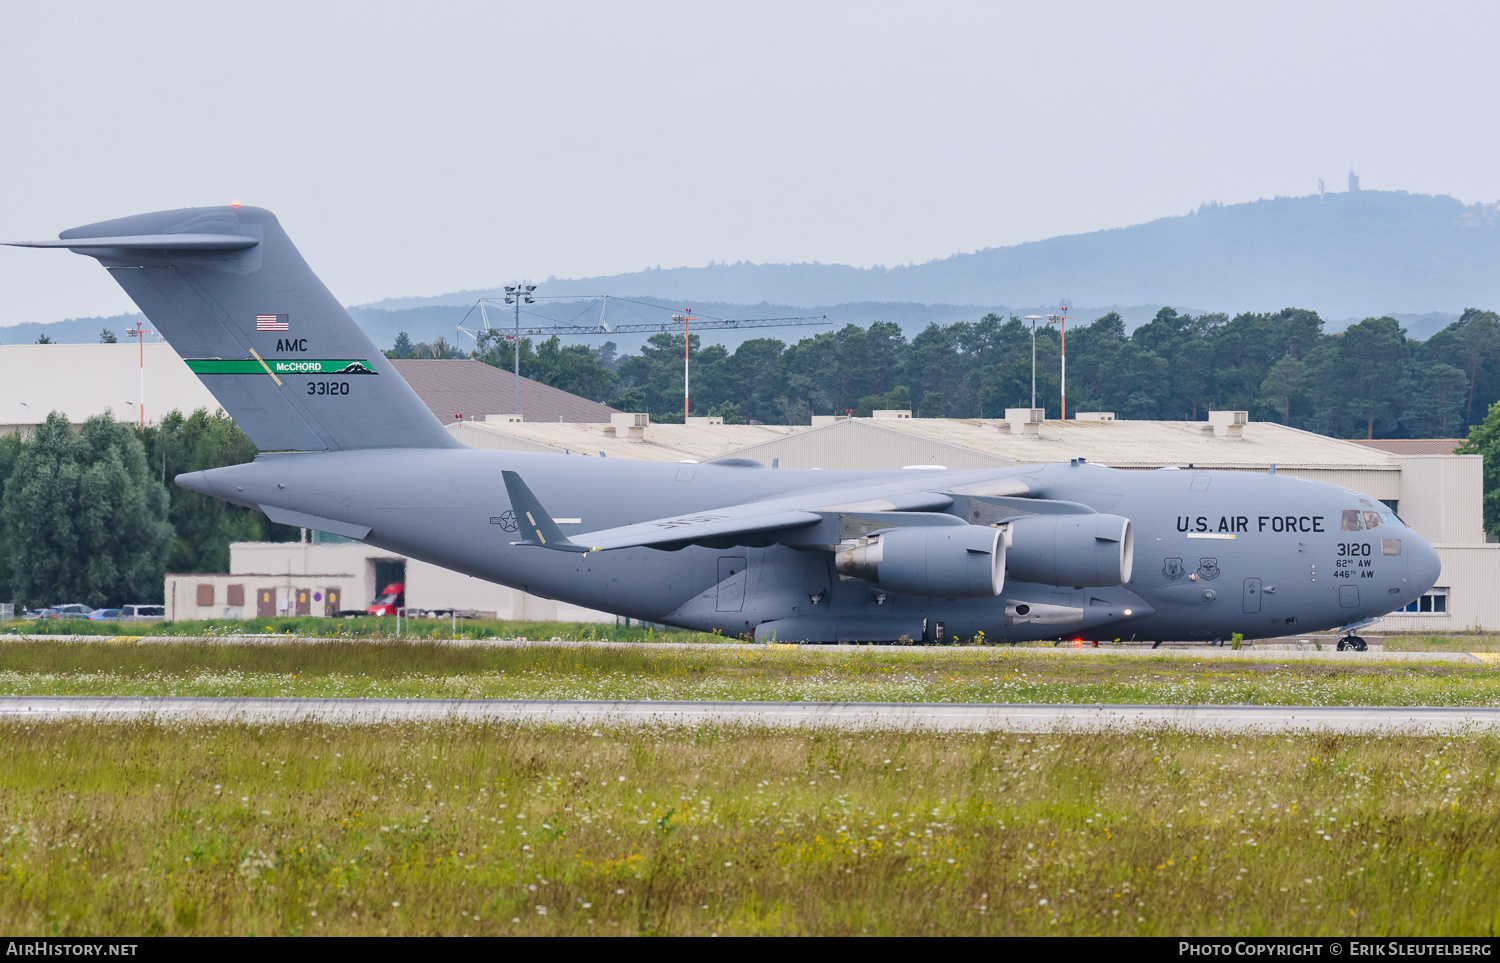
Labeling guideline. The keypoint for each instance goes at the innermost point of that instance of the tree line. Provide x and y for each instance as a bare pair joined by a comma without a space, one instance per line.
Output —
90,515
1367,381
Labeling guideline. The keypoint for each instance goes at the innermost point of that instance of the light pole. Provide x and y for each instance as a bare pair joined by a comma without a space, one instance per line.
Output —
1062,321
1033,318
515,294
686,320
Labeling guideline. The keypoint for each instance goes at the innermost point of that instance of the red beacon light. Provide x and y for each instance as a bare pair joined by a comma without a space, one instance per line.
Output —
234,203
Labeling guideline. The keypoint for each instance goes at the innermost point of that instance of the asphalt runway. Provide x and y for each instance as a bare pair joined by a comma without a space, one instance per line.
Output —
1168,651
840,715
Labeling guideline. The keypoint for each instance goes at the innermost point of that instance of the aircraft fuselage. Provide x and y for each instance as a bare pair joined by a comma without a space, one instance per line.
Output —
1215,552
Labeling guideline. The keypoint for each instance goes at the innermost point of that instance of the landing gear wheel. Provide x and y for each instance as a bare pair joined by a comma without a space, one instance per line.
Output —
1356,643
1340,646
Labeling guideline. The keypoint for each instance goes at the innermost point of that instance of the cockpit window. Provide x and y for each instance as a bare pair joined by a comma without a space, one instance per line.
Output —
1372,519
1352,520
1390,518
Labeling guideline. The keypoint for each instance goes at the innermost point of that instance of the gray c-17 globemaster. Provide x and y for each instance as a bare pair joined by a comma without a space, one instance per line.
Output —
1074,551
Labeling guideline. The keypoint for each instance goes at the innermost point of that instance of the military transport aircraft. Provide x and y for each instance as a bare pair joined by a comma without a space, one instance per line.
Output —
1074,551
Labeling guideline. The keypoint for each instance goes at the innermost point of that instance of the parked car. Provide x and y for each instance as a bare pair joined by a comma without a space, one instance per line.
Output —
71,611
104,615
143,613
47,612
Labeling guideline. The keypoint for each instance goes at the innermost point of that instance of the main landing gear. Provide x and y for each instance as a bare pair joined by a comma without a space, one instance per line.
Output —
1352,642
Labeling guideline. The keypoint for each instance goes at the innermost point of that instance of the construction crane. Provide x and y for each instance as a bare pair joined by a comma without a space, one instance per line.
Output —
601,327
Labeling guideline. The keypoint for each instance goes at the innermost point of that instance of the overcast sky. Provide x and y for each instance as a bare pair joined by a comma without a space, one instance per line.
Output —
416,148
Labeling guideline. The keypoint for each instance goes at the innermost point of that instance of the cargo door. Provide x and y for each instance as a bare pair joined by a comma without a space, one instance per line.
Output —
1252,595
731,583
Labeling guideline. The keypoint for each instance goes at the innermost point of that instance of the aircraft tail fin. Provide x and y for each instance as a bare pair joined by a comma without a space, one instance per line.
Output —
536,526
228,290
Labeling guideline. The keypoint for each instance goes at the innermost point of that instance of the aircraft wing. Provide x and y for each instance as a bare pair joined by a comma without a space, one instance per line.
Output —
731,522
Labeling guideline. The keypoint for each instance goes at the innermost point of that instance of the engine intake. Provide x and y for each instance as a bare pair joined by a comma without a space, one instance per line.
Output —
946,561
1093,550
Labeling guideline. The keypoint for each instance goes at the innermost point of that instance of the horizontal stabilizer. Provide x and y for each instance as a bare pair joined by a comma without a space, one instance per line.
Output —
150,242
536,526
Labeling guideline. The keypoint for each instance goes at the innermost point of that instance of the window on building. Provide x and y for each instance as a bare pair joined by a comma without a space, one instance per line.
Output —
1435,602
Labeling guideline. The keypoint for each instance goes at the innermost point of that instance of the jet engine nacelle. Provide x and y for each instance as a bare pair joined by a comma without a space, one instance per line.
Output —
940,561
1079,550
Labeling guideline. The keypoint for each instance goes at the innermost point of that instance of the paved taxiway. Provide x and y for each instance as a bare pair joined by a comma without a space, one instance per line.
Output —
939,716
1170,651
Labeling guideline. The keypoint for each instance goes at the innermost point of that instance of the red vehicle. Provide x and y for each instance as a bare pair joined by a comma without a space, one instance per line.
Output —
389,601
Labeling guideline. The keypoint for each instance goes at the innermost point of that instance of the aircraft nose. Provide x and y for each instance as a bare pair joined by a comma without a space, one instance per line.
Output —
1425,566
195,481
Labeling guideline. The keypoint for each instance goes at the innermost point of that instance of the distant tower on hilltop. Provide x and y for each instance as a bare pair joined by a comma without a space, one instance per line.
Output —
1353,181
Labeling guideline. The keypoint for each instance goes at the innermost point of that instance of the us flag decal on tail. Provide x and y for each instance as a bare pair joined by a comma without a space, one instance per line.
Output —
273,322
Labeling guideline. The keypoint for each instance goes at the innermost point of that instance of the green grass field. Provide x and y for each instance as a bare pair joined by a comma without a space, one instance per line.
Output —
464,829
357,668
145,828
361,627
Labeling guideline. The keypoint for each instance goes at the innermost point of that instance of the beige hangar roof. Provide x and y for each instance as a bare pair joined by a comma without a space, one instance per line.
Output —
953,443
1138,444
658,442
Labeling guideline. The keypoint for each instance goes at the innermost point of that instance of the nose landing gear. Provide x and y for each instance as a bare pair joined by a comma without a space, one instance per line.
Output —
1352,642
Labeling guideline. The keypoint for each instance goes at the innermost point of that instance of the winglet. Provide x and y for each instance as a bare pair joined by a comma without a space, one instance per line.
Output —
536,526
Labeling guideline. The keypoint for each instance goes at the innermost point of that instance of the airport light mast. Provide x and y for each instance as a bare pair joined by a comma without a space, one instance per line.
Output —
686,321
515,294
1062,321
1033,318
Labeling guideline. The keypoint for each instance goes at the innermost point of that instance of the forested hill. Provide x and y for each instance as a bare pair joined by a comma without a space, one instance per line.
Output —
1347,255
